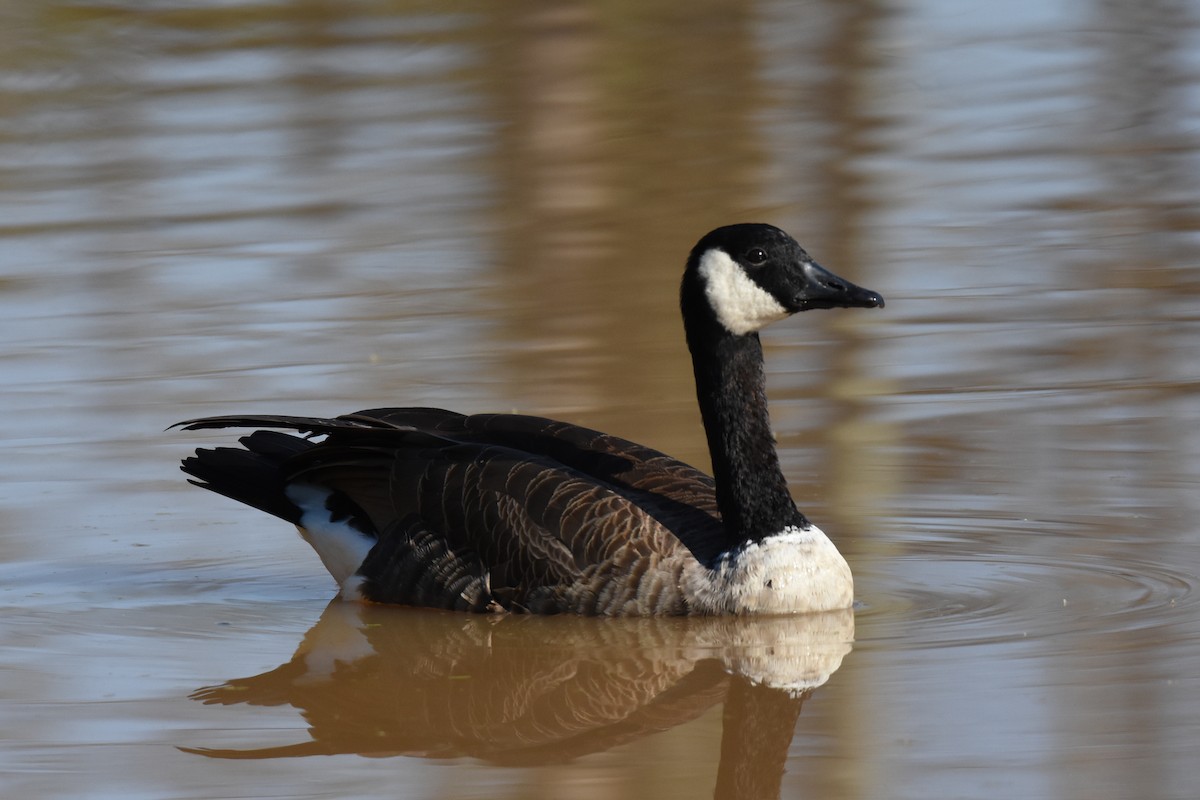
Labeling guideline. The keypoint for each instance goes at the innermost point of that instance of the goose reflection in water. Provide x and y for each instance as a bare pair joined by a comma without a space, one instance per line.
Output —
525,691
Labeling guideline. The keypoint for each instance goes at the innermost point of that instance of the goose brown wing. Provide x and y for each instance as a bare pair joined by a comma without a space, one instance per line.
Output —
477,526
679,496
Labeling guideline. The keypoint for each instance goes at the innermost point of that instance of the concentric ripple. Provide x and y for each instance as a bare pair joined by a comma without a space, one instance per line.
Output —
974,590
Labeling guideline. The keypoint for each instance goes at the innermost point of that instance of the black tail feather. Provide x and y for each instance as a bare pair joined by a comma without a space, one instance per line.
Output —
253,476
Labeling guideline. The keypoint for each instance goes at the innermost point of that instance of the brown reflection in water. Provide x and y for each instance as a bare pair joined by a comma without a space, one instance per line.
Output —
526,691
617,148
850,483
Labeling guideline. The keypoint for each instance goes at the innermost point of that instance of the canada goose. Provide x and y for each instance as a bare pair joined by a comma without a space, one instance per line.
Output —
505,512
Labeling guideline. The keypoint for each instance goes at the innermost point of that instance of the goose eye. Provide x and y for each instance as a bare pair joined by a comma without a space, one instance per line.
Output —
756,257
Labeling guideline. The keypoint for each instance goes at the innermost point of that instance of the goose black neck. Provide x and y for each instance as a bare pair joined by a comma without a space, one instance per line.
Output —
752,492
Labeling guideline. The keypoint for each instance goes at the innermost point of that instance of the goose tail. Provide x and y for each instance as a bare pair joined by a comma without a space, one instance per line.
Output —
252,475
255,476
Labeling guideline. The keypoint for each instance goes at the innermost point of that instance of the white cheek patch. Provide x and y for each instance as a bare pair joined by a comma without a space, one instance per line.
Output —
741,305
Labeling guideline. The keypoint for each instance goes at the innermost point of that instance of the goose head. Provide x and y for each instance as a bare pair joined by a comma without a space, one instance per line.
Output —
743,277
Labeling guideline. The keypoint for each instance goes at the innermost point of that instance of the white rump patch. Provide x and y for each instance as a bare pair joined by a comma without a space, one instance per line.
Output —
342,548
741,305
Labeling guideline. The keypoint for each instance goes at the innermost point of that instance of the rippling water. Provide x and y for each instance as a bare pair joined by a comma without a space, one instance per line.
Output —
313,208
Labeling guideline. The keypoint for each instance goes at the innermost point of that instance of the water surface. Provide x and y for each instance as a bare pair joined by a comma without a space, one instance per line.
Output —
314,208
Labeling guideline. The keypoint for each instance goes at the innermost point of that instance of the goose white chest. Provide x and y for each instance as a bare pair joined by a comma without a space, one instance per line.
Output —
794,572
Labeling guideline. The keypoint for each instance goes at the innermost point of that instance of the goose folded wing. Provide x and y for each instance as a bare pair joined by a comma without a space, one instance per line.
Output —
487,526
681,497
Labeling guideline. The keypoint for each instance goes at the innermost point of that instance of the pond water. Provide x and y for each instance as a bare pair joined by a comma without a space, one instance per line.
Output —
312,208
